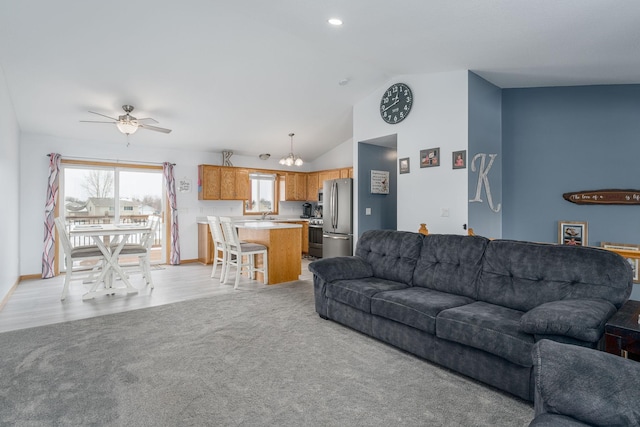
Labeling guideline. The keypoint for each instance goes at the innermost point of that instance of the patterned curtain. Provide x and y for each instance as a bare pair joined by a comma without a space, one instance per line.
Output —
170,183
48,254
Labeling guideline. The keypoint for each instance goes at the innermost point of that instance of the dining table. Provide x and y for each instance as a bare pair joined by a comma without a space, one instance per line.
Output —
110,239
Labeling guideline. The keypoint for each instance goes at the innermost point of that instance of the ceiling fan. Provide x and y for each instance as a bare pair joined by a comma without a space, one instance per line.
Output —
128,124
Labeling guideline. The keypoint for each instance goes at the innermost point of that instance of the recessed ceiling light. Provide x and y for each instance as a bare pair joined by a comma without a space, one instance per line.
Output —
335,21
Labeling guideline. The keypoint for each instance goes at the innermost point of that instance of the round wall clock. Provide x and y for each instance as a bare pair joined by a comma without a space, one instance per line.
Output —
396,103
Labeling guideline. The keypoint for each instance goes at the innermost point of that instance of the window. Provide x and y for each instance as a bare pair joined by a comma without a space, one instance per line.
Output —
263,193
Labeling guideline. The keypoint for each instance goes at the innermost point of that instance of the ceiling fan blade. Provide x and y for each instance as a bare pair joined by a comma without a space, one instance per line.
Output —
95,121
155,128
147,120
103,115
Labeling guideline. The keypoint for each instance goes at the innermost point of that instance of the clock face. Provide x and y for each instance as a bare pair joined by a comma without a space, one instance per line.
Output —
396,103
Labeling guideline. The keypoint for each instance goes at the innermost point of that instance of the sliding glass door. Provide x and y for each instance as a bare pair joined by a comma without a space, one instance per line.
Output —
106,194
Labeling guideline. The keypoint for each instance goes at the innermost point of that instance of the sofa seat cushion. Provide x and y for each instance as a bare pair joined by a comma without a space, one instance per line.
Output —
357,293
487,327
415,306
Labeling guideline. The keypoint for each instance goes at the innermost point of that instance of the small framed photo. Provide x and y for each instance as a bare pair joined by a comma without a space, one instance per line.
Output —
430,157
634,262
404,165
459,159
572,233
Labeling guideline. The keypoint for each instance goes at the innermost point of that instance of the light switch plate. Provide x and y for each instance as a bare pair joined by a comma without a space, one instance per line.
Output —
367,211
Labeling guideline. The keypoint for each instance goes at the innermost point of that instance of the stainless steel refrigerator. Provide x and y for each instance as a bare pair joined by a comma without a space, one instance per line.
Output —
337,233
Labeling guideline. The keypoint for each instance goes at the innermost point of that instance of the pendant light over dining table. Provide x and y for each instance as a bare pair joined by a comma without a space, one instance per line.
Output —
291,159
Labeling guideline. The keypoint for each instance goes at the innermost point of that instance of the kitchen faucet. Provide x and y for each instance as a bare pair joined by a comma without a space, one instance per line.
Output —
265,213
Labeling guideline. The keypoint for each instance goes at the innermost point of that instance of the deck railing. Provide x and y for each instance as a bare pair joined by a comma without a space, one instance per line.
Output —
124,219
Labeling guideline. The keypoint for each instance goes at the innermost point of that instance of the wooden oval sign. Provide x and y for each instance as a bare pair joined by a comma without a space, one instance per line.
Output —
604,197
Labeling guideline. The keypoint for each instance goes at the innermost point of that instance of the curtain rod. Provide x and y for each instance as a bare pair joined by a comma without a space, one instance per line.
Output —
112,160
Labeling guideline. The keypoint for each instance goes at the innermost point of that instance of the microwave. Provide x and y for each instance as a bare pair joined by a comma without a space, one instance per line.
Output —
320,196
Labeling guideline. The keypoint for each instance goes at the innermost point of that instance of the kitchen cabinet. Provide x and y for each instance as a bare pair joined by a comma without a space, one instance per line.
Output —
234,183
231,183
346,173
208,182
327,175
205,244
312,187
305,237
295,186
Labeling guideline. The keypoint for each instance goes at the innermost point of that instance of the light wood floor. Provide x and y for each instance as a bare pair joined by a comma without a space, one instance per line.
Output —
37,302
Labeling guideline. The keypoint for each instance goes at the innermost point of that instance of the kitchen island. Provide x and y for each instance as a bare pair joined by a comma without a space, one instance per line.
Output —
282,239
283,247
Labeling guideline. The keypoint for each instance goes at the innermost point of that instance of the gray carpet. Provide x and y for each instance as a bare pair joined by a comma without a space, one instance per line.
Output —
243,359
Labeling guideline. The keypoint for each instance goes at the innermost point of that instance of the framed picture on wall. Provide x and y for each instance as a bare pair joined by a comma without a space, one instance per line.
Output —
403,165
634,262
572,233
430,157
459,159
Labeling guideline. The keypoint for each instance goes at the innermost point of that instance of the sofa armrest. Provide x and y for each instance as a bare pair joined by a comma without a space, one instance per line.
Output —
588,385
581,319
341,268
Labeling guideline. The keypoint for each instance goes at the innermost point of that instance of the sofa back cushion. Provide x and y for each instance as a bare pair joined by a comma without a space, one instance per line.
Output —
523,275
450,263
392,254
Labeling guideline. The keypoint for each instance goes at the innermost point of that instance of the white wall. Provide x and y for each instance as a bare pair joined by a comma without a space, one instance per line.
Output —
339,157
9,190
438,118
33,186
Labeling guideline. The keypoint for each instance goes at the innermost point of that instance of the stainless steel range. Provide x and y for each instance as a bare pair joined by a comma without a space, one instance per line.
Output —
315,237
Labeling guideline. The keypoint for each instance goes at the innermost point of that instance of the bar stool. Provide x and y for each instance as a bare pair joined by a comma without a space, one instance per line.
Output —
242,250
220,251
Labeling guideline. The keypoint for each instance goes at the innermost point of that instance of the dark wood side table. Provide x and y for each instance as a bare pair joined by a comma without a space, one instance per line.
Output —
622,332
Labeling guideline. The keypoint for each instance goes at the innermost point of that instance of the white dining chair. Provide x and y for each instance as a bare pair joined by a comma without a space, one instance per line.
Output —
220,251
244,253
77,253
143,251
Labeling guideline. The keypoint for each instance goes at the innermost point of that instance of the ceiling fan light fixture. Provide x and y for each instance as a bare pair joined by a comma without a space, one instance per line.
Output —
128,128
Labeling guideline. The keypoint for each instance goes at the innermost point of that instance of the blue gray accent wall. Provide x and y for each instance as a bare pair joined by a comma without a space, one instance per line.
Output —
485,137
564,139
383,206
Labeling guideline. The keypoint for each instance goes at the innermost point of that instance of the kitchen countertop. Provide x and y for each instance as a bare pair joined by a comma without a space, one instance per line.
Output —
265,225
240,220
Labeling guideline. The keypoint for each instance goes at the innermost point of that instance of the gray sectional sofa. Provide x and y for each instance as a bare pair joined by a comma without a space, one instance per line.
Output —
470,304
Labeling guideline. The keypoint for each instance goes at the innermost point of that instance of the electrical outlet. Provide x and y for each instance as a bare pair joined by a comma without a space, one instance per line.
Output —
367,211
444,212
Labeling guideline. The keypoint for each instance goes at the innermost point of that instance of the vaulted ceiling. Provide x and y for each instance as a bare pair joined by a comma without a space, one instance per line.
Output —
243,74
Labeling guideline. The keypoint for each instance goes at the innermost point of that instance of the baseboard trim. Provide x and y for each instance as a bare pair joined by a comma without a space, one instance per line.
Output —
8,295
188,261
30,277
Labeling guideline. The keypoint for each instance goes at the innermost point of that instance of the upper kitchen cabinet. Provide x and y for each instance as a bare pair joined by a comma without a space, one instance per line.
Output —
346,173
235,183
295,186
327,175
208,182
312,187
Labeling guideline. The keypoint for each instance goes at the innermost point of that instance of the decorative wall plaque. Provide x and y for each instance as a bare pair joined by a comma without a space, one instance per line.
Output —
604,197
379,182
